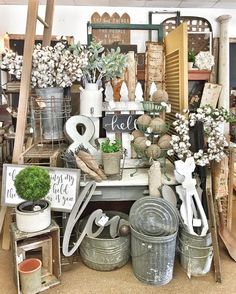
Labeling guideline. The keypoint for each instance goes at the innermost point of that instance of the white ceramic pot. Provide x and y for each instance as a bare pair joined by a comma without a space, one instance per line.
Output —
91,100
190,65
33,221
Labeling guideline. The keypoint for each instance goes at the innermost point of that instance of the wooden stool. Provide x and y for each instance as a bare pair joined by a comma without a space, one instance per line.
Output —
44,245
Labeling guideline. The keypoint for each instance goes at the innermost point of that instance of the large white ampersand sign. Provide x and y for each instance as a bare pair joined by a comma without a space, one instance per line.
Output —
75,137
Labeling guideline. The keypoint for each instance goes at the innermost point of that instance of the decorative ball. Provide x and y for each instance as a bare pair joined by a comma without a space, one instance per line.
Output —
157,125
160,96
136,134
140,143
153,151
143,121
124,230
164,142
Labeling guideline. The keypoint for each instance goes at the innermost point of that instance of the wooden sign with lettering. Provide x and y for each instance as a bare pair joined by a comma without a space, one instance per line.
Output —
211,94
119,123
62,194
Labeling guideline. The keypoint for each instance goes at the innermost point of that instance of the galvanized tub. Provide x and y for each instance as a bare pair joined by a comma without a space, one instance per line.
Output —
196,253
153,257
104,253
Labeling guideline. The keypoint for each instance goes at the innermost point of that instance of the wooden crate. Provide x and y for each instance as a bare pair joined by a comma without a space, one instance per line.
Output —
43,155
29,243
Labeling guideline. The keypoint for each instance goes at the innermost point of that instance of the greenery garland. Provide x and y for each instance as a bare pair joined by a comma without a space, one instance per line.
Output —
212,120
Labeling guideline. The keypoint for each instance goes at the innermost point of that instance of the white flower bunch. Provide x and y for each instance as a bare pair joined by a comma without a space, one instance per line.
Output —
12,62
212,120
51,66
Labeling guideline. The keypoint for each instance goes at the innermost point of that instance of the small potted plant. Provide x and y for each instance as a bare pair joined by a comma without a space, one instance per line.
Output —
32,184
191,58
111,155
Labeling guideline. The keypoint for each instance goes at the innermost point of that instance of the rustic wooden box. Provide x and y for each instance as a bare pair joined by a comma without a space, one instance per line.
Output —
49,155
26,244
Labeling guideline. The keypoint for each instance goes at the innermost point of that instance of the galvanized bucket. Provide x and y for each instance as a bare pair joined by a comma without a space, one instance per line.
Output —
104,253
196,253
153,257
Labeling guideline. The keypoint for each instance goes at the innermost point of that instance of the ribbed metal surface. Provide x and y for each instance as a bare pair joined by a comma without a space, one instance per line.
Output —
153,216
153,257
104,253
196,253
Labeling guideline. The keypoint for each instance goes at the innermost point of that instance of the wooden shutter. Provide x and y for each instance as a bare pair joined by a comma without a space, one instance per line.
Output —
176,72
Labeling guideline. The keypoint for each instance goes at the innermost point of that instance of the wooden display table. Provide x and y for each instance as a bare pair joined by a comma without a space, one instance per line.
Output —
132,186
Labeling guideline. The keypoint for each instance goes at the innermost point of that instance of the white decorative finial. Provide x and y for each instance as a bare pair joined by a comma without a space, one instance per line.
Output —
153,88
124,92
108,92
138,92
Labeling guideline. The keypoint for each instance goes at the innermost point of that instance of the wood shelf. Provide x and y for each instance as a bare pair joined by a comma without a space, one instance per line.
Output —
199,75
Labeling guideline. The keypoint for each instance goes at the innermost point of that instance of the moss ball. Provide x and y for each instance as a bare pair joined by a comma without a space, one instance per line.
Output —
153,151
136,134
32,183
143,121
140,144
164,142
160,96
157,125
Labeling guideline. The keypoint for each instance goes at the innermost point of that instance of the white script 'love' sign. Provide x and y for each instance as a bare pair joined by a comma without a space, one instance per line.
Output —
62,194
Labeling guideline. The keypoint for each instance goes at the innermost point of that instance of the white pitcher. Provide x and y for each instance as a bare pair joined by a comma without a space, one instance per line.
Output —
91,100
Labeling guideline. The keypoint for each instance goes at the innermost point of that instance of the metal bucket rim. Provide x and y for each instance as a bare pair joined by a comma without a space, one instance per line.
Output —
195,247
154,238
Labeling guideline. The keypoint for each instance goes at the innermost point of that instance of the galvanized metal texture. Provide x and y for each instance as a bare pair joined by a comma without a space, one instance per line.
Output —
154,216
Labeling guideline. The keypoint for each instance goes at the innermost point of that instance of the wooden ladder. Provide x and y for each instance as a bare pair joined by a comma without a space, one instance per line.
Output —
32,17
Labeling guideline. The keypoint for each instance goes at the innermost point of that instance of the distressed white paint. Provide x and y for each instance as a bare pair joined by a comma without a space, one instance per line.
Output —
224,63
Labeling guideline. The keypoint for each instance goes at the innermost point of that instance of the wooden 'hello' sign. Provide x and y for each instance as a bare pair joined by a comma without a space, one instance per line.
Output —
119,123
62,194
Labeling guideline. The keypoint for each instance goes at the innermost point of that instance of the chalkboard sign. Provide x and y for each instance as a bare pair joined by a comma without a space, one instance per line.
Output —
119,123
62,194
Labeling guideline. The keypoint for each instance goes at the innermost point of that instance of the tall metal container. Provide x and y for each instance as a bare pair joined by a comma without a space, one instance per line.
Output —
153,257
52,113
154,226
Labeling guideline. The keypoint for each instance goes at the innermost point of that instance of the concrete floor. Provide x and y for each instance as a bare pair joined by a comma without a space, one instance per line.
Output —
82,280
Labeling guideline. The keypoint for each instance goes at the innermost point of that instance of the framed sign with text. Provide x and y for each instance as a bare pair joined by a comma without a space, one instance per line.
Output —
62,194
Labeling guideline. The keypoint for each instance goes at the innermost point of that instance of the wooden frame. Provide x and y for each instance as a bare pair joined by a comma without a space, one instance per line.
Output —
91,26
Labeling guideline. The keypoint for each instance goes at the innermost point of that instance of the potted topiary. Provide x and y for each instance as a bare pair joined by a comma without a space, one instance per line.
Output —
32,184
111,155
191,58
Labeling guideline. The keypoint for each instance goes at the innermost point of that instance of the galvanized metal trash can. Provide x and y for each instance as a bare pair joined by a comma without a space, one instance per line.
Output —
153,257
154,226
104,253
196,253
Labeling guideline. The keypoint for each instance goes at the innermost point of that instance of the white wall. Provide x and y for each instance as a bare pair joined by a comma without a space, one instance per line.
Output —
72,20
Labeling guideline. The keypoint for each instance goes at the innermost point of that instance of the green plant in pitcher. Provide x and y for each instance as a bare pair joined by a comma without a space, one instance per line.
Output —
111,147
